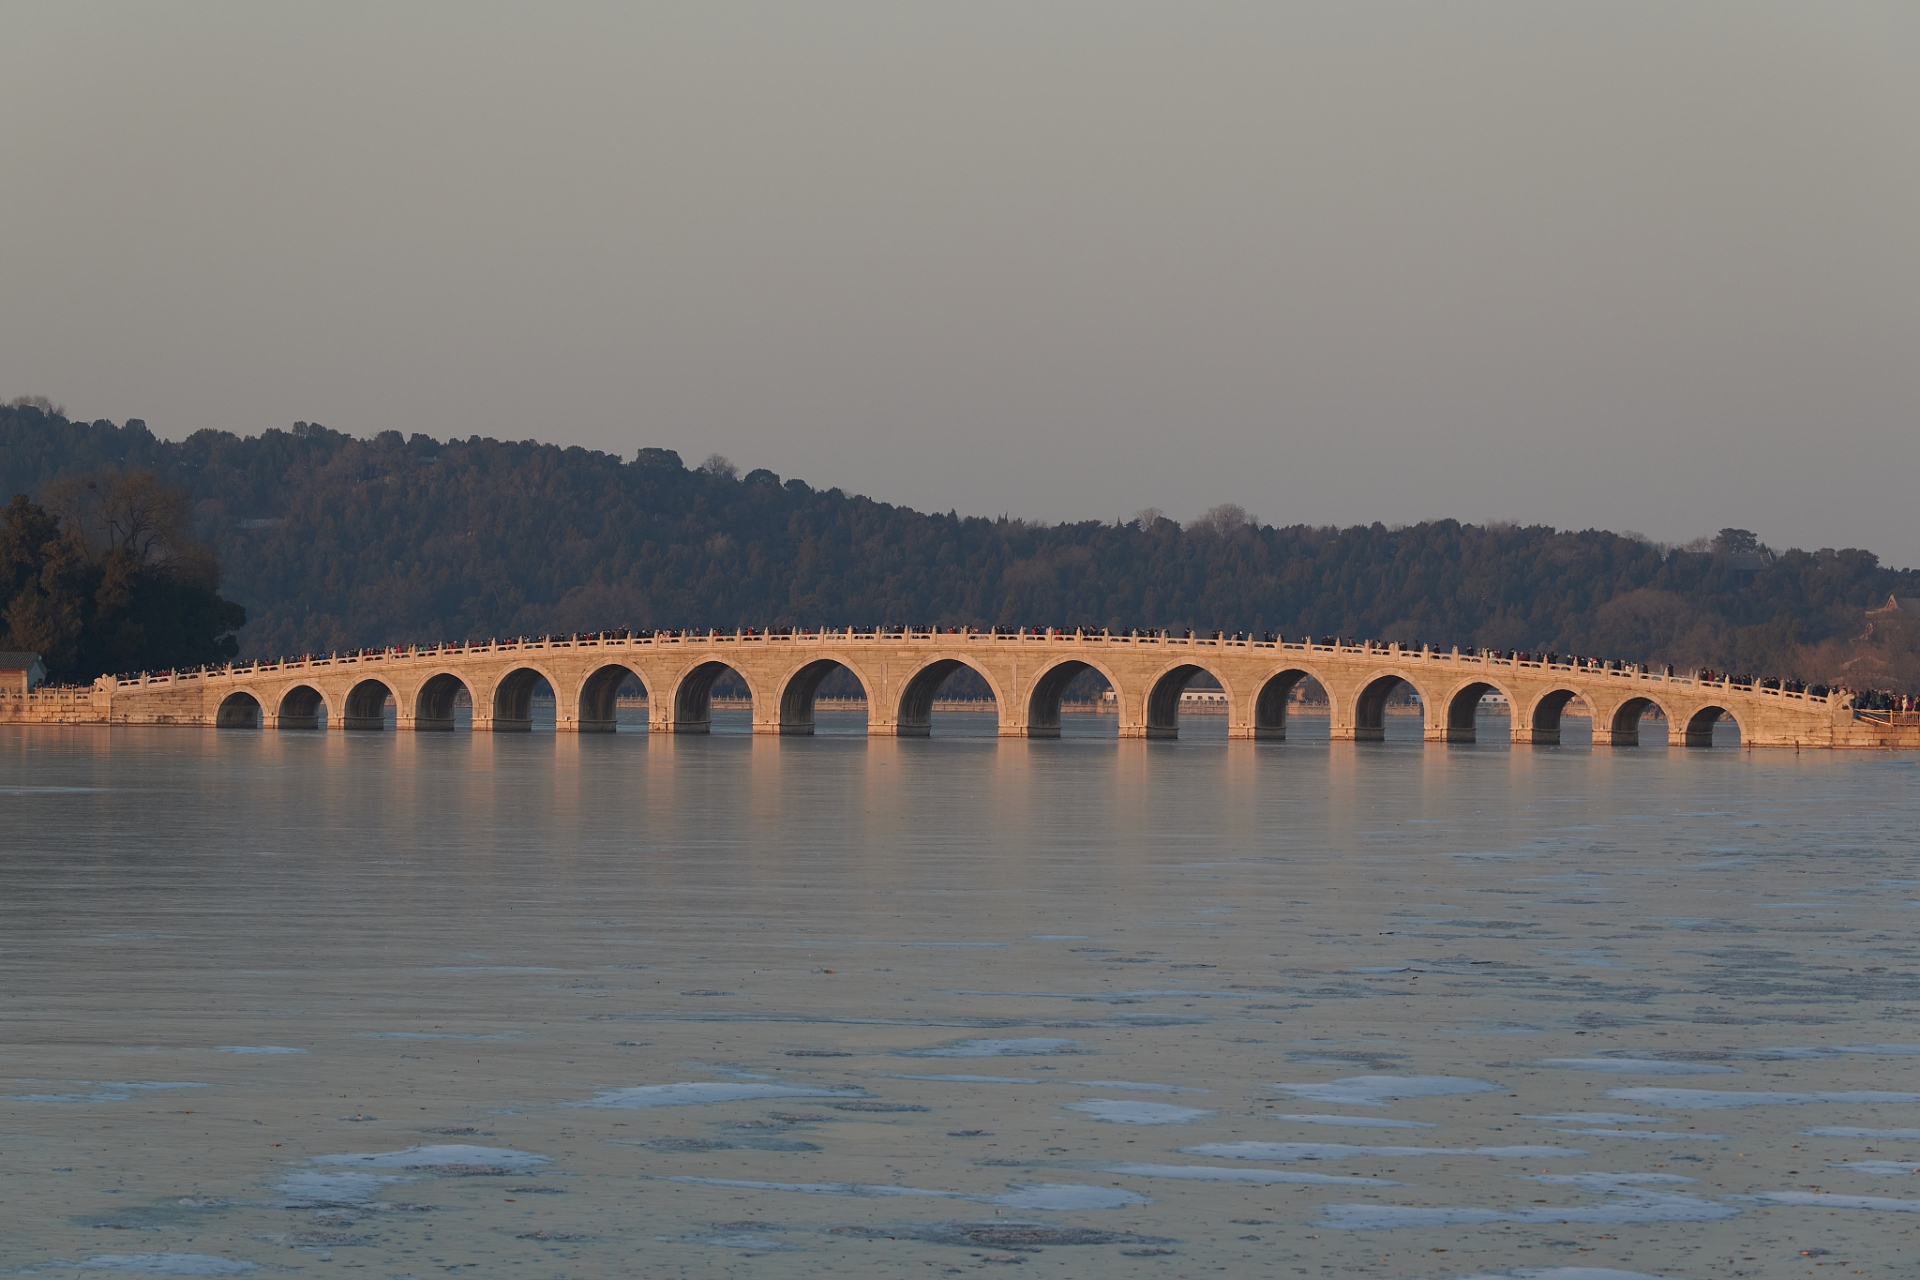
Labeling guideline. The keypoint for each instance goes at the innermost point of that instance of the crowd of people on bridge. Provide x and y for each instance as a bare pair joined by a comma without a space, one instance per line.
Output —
1880,700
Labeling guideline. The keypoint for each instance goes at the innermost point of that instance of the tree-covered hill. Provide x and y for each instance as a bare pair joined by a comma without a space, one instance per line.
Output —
331,542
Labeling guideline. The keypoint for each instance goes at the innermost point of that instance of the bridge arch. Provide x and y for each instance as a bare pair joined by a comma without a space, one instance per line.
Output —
799,687
914,714
1270,700
598,706
1050,688
1463,706
1163,697
1370,704
512,699
238,710
692,694
1624,727
1698,731
433,704
300,706
366,704
1543,717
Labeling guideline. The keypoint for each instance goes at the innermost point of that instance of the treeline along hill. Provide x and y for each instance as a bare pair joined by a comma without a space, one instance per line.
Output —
332,542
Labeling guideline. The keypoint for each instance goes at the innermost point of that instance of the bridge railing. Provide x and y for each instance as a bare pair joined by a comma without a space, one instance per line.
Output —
875,636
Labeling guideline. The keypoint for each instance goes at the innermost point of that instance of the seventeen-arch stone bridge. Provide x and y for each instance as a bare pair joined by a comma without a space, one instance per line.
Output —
900,670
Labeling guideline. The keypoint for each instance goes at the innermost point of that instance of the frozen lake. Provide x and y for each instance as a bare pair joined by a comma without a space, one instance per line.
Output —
541,1006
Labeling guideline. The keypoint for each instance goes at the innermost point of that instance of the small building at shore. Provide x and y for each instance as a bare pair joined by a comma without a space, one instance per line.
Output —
21,672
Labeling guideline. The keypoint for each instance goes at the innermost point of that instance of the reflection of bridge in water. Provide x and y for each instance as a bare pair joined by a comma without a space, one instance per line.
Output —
1028,673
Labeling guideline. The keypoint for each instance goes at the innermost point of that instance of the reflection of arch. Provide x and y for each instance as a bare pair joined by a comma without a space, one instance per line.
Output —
433,705
1270,703
1049,687
1163,698
600,698
915,719
239,710
513,699
366,706
1626,721
300,708
693,696
1464,705
1544,720
1370,708
797,692
1699,731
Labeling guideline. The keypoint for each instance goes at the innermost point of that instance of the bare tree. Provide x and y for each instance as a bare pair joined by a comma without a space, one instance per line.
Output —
111,511
41,403
719,466
1225,519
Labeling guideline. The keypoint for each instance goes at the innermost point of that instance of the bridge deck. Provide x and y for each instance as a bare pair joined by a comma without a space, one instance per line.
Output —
901,672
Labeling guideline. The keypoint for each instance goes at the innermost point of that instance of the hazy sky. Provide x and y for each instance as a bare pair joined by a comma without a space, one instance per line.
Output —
1645,266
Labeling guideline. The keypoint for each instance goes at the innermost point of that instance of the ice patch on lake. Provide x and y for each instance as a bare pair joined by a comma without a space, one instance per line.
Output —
1342,1151
1060,1196
1352,1122
1606,1181
1631,1197
303,1187
69,1097
1219,1173
1792,1052
424,1035
111,1090
1127,1111
1878,1166
1597,1117
1720,1099
256,1048
169,1264
1051,1196
698,1093
1592,958
957,1079
1639,1067
1824,1201
433,1156
1646,1135
1129,1084
1031,1046
747,1240
1374,1091
1565,1273
1842,1131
